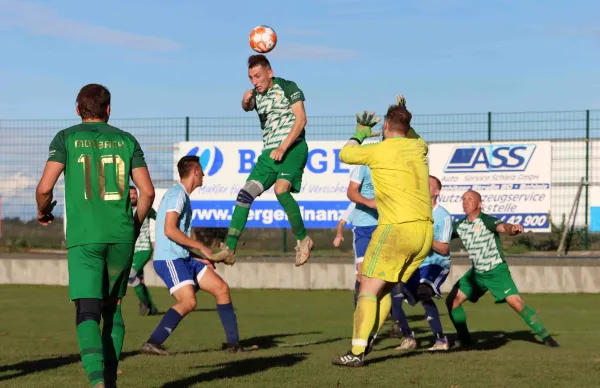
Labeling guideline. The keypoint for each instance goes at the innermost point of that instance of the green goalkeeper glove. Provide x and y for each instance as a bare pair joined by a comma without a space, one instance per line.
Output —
364,126
400,100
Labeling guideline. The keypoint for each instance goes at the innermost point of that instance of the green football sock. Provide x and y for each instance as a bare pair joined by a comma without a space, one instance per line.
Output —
152,304
459,319
141,293
237,225
113,334
90,349
534,322
292,210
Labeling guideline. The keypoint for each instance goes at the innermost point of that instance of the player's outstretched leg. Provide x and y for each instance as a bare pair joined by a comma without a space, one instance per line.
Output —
246,196
400,327
458,316
369,315
304,243
186,302
88,315
532,320
113,334
212,283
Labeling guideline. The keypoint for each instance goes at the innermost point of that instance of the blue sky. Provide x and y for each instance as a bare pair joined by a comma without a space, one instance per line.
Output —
188,58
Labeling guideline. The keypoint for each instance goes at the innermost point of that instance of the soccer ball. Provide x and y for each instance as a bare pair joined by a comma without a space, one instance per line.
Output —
263,39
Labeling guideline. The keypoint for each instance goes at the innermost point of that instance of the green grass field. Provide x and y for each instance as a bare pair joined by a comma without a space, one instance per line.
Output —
298,332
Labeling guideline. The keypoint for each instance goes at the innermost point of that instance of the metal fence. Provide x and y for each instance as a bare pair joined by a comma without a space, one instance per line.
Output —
575,136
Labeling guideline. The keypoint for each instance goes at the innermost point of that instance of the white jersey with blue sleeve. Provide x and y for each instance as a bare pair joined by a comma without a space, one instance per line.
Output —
347,216
177,200
442,232
364,215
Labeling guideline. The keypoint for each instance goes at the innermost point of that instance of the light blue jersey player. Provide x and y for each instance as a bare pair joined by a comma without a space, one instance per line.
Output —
425,283
182,271
363,215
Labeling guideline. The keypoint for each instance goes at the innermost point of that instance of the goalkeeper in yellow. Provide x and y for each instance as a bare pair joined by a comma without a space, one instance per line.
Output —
404,232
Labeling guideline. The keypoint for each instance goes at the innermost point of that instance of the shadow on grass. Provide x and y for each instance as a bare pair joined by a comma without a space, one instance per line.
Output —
239,368
25,368
490,340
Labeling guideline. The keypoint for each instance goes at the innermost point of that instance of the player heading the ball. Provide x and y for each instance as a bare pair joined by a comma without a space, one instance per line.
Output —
279,104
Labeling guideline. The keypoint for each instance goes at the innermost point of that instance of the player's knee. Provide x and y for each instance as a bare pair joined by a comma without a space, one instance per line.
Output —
222,290
248,193
424,292
188,305
87,309
133,279
282,186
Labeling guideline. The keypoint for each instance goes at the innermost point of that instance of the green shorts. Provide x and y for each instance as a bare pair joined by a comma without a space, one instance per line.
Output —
140,259
290,168
498,281
97,271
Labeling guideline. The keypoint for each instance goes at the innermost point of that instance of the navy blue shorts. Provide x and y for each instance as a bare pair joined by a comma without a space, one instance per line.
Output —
180,272
432,274
362,238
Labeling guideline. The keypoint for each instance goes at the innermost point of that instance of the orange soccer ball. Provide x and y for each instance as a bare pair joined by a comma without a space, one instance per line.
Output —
263,39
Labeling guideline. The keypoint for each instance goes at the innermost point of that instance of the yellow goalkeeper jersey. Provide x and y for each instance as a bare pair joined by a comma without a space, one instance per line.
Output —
400,175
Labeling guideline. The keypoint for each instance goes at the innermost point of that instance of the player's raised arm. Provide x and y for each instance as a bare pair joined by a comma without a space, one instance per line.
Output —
510,229
296,99
248,101
352,153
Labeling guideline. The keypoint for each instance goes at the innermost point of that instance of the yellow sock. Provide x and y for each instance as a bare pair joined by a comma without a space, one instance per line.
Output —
385,306
365,315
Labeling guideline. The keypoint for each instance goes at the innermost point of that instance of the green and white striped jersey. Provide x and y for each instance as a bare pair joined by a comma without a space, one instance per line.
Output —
274,108
481,241
146,237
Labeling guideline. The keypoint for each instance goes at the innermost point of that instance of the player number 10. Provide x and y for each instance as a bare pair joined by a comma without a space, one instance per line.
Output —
103,162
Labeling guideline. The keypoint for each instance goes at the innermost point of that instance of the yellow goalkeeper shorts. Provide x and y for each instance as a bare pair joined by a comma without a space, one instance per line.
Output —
397,250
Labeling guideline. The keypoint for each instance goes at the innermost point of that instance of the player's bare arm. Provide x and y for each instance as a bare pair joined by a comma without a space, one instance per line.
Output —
355,196
248,101
43,192
441,247
339,237
510,229
141,178
176,235
297,128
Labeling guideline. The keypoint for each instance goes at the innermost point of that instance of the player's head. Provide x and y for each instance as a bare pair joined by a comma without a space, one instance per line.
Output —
471,202
189,168
435,187
397,121
260,72
133,195
93,103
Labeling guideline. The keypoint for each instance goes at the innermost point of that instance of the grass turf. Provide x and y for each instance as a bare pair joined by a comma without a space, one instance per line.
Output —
297,334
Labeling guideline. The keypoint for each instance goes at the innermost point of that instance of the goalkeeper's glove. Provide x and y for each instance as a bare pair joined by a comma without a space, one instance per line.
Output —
364,126
400,100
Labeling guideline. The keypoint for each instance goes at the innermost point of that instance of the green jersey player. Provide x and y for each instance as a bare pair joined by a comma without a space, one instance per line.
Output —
279,104
142,253
479,234
97,160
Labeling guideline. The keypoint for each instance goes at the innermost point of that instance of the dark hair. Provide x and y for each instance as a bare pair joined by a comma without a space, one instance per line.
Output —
132,188
92,101
398,118
258,60
187,164
437,181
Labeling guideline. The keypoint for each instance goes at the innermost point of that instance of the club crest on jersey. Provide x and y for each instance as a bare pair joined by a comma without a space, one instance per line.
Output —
278,95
